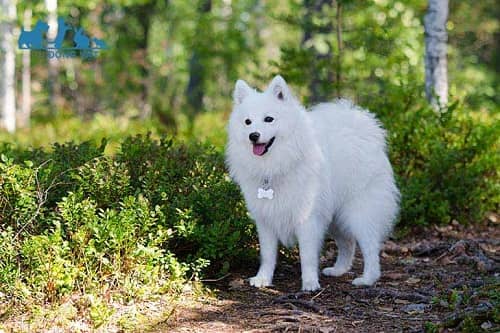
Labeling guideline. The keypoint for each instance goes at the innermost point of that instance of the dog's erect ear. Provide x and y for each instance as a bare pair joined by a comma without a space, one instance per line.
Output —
241,91
279,88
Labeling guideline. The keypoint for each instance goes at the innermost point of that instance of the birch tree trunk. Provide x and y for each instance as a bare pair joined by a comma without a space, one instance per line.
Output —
8,64
436,38
24,117
53,84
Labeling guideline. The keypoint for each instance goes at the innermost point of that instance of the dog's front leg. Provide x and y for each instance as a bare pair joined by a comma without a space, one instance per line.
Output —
310,237
268,251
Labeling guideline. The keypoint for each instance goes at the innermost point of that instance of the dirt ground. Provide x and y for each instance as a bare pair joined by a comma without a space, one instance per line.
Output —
444,280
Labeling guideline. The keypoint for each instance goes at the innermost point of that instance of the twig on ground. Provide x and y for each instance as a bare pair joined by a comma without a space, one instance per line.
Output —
293,299
316,296
216,280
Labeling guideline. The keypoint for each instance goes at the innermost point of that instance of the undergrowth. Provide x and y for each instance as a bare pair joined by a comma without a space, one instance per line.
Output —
141,223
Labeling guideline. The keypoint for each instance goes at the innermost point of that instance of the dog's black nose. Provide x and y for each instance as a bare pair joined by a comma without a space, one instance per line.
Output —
254,137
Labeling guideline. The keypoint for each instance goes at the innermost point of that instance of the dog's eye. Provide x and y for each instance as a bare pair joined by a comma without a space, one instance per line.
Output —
269,119
248,121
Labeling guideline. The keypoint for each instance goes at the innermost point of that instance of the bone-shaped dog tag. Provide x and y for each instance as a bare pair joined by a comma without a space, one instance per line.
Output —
265,194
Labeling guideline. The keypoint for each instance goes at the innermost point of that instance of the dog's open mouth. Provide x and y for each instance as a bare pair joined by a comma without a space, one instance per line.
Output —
260,149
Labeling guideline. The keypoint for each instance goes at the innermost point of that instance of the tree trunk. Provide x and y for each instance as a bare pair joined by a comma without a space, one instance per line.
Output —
144,21
436,38
194,90
24,117
321,81
53,83
340,47
8,64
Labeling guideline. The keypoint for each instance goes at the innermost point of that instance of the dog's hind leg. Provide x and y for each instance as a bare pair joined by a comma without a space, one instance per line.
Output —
346,246
370,248
369,219
366,226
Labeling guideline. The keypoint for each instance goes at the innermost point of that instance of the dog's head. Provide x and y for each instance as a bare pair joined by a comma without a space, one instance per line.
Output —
265,127
261,119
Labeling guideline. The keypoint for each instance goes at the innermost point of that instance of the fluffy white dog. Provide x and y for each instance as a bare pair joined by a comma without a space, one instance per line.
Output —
305,174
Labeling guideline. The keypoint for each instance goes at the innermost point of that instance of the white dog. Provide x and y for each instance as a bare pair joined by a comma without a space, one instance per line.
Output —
308,173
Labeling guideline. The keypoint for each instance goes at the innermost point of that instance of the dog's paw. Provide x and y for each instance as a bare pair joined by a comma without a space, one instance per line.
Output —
260,281
310,285
363,281
334,271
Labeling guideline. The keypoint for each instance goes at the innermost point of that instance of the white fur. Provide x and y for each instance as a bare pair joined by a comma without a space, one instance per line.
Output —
330,174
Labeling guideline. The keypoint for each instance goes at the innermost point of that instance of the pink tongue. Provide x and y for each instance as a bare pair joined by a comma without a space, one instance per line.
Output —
259,149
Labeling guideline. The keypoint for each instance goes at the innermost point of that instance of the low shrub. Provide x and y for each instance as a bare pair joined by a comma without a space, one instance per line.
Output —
446,161
144,220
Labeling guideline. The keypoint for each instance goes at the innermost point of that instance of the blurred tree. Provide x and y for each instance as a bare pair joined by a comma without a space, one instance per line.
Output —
474,53
8,64
436,66
142,12
25,114
340,47
372,45
172,58
119,80
317,26
53,69
195,87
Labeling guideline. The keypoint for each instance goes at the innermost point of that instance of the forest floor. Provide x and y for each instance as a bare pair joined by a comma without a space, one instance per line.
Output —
441,280
447,279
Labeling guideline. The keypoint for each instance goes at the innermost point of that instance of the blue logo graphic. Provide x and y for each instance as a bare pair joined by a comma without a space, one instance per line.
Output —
87,47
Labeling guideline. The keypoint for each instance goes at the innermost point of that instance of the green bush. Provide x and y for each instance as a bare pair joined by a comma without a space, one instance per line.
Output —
146,219
198,202
446,161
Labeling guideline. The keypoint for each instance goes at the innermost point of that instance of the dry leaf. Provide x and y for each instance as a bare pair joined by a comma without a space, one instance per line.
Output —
413,280
401,301
386,308
447,261
236,284
493,217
